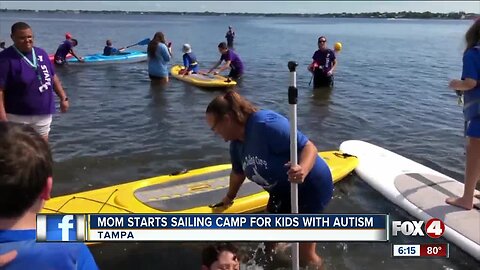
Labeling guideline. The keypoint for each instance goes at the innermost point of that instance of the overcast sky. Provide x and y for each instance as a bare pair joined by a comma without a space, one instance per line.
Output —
251,6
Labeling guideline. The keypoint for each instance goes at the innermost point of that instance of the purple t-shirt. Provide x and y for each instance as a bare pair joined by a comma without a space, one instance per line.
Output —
63,50
236,63
27,91
324,59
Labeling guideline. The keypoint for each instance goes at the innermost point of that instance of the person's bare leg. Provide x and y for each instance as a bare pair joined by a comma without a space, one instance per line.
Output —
472,175
308,255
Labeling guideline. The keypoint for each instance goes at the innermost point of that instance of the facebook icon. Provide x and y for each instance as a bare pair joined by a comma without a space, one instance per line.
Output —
60,228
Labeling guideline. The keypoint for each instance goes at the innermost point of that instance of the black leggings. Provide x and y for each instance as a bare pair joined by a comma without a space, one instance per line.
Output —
321,80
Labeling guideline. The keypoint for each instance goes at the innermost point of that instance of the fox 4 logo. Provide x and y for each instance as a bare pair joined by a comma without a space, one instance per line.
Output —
434,228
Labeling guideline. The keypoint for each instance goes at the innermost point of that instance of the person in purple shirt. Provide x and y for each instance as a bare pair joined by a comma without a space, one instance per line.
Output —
231,59
22,195
469,86
28,83
323,65
65,48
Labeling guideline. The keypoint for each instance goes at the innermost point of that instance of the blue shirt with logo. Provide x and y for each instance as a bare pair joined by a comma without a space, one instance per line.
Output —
265,150
324,59
44,256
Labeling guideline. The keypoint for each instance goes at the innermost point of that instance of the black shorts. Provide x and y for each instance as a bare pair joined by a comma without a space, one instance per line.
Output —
280,204
321,80
234,74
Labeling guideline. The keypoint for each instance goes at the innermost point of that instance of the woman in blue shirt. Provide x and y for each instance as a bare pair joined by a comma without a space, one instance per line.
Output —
159,54
260,151
469,86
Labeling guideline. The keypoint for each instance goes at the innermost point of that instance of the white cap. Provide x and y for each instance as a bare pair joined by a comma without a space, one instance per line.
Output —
187,48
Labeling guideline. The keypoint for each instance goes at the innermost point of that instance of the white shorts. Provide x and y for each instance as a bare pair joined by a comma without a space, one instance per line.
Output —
41,123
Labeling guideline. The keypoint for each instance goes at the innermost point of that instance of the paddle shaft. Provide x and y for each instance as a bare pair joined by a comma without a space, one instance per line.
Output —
142,42
292,100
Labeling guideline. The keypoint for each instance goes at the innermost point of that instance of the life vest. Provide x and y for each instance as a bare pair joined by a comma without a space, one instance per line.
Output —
192,59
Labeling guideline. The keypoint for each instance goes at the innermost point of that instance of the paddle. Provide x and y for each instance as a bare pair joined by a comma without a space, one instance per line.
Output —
143,42
292,100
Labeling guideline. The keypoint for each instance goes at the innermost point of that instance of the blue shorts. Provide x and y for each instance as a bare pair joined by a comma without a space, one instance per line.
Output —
472,128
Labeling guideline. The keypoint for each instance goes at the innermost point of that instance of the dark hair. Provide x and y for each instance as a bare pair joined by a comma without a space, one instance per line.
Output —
231,102
108,42
211,252
74,40
152,45
321,38
25,165
18,26
222,45
472,37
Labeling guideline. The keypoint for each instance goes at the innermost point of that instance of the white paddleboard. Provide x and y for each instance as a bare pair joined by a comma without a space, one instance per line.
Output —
419,190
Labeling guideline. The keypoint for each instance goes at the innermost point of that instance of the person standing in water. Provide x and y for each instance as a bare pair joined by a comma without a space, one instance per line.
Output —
260,151
64,49
159,54
28,83
231,59
323,65
230,36
469,86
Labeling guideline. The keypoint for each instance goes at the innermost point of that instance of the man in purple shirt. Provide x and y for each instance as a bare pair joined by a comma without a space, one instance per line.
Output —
27,83
231,59
323,65
64,49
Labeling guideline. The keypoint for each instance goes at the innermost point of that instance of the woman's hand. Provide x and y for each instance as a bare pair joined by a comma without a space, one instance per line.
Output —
296,173
455,84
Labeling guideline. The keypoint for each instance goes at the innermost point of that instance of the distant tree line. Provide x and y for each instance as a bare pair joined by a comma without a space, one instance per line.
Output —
390,15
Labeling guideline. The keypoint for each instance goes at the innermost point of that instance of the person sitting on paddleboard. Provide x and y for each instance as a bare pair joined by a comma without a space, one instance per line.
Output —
189,60
110,50
220,256
64,49
323,65
232,60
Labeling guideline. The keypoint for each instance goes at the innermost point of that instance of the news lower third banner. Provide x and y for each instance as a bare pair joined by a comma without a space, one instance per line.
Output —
212,227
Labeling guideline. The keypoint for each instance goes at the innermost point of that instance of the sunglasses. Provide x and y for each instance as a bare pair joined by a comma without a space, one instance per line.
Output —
322,41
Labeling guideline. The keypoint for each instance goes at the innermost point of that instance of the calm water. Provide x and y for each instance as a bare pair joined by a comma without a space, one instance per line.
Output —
390,89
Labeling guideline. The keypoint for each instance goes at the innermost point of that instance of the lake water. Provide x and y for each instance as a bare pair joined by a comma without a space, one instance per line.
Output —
390,89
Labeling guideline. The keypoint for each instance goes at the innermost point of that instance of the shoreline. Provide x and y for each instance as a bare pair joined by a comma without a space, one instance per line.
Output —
368,15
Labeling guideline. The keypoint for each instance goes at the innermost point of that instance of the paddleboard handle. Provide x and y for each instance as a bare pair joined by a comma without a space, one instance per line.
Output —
182,171
292,89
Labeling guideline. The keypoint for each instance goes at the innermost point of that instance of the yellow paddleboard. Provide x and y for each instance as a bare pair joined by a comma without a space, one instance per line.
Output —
188,192
202,80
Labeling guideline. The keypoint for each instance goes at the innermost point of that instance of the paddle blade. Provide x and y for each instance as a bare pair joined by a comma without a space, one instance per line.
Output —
144,42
